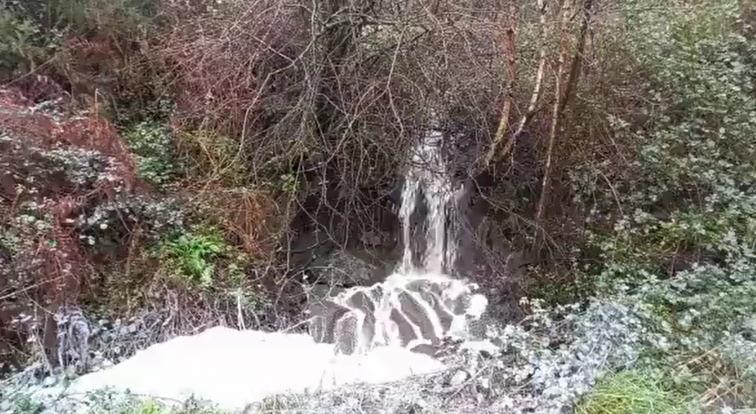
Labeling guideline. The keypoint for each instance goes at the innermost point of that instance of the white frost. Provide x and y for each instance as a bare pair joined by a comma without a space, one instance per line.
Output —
235,368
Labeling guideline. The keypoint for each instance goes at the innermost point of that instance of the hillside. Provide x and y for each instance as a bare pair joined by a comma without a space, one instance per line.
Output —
336,169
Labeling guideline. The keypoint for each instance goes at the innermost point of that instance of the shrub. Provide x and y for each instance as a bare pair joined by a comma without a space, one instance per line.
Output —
192,254
110,402
56,167
71,211
34,32
213,158
23,42
220,76
688,196
124,20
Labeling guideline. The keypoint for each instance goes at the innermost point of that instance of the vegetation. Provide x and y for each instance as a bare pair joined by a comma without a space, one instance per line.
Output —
158,155
192,255
106,402
633,393
150,143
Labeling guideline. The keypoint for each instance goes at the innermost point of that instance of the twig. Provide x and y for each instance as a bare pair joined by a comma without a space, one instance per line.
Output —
468,382
239,317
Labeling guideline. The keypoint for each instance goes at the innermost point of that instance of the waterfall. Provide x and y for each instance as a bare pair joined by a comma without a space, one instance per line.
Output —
427,176
418,305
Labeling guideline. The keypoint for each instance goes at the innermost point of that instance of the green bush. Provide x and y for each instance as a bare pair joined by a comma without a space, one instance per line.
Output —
24,42
110,402
32,32
685,228
192,254
121,19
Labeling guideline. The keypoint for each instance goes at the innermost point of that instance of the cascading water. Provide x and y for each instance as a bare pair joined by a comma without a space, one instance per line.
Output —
427,176
417,305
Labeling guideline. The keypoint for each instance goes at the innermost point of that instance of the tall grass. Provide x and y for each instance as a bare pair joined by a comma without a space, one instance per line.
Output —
635,392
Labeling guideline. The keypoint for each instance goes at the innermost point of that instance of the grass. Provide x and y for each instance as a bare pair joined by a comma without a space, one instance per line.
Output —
634,392
151,406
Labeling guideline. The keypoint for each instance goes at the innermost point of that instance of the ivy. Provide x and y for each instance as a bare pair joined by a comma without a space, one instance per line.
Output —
680,248
152,146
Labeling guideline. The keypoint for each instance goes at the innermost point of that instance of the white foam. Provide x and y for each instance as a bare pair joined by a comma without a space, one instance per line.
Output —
235,368
478,305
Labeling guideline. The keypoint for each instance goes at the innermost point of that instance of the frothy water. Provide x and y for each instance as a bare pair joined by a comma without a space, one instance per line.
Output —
419,304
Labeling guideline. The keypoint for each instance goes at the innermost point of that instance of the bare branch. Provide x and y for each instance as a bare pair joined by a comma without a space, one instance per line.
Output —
510,51
535,96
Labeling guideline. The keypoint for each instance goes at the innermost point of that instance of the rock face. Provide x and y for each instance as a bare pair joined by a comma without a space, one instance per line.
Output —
343,268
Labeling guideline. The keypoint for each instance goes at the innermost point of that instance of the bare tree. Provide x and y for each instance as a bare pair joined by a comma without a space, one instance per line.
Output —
563,89
510,52
563,17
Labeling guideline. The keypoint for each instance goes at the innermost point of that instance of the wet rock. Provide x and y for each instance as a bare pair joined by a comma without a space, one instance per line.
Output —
344,269
459,378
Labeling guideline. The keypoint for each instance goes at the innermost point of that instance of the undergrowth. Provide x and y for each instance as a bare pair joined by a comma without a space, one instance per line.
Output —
676,230
152,146
106,403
